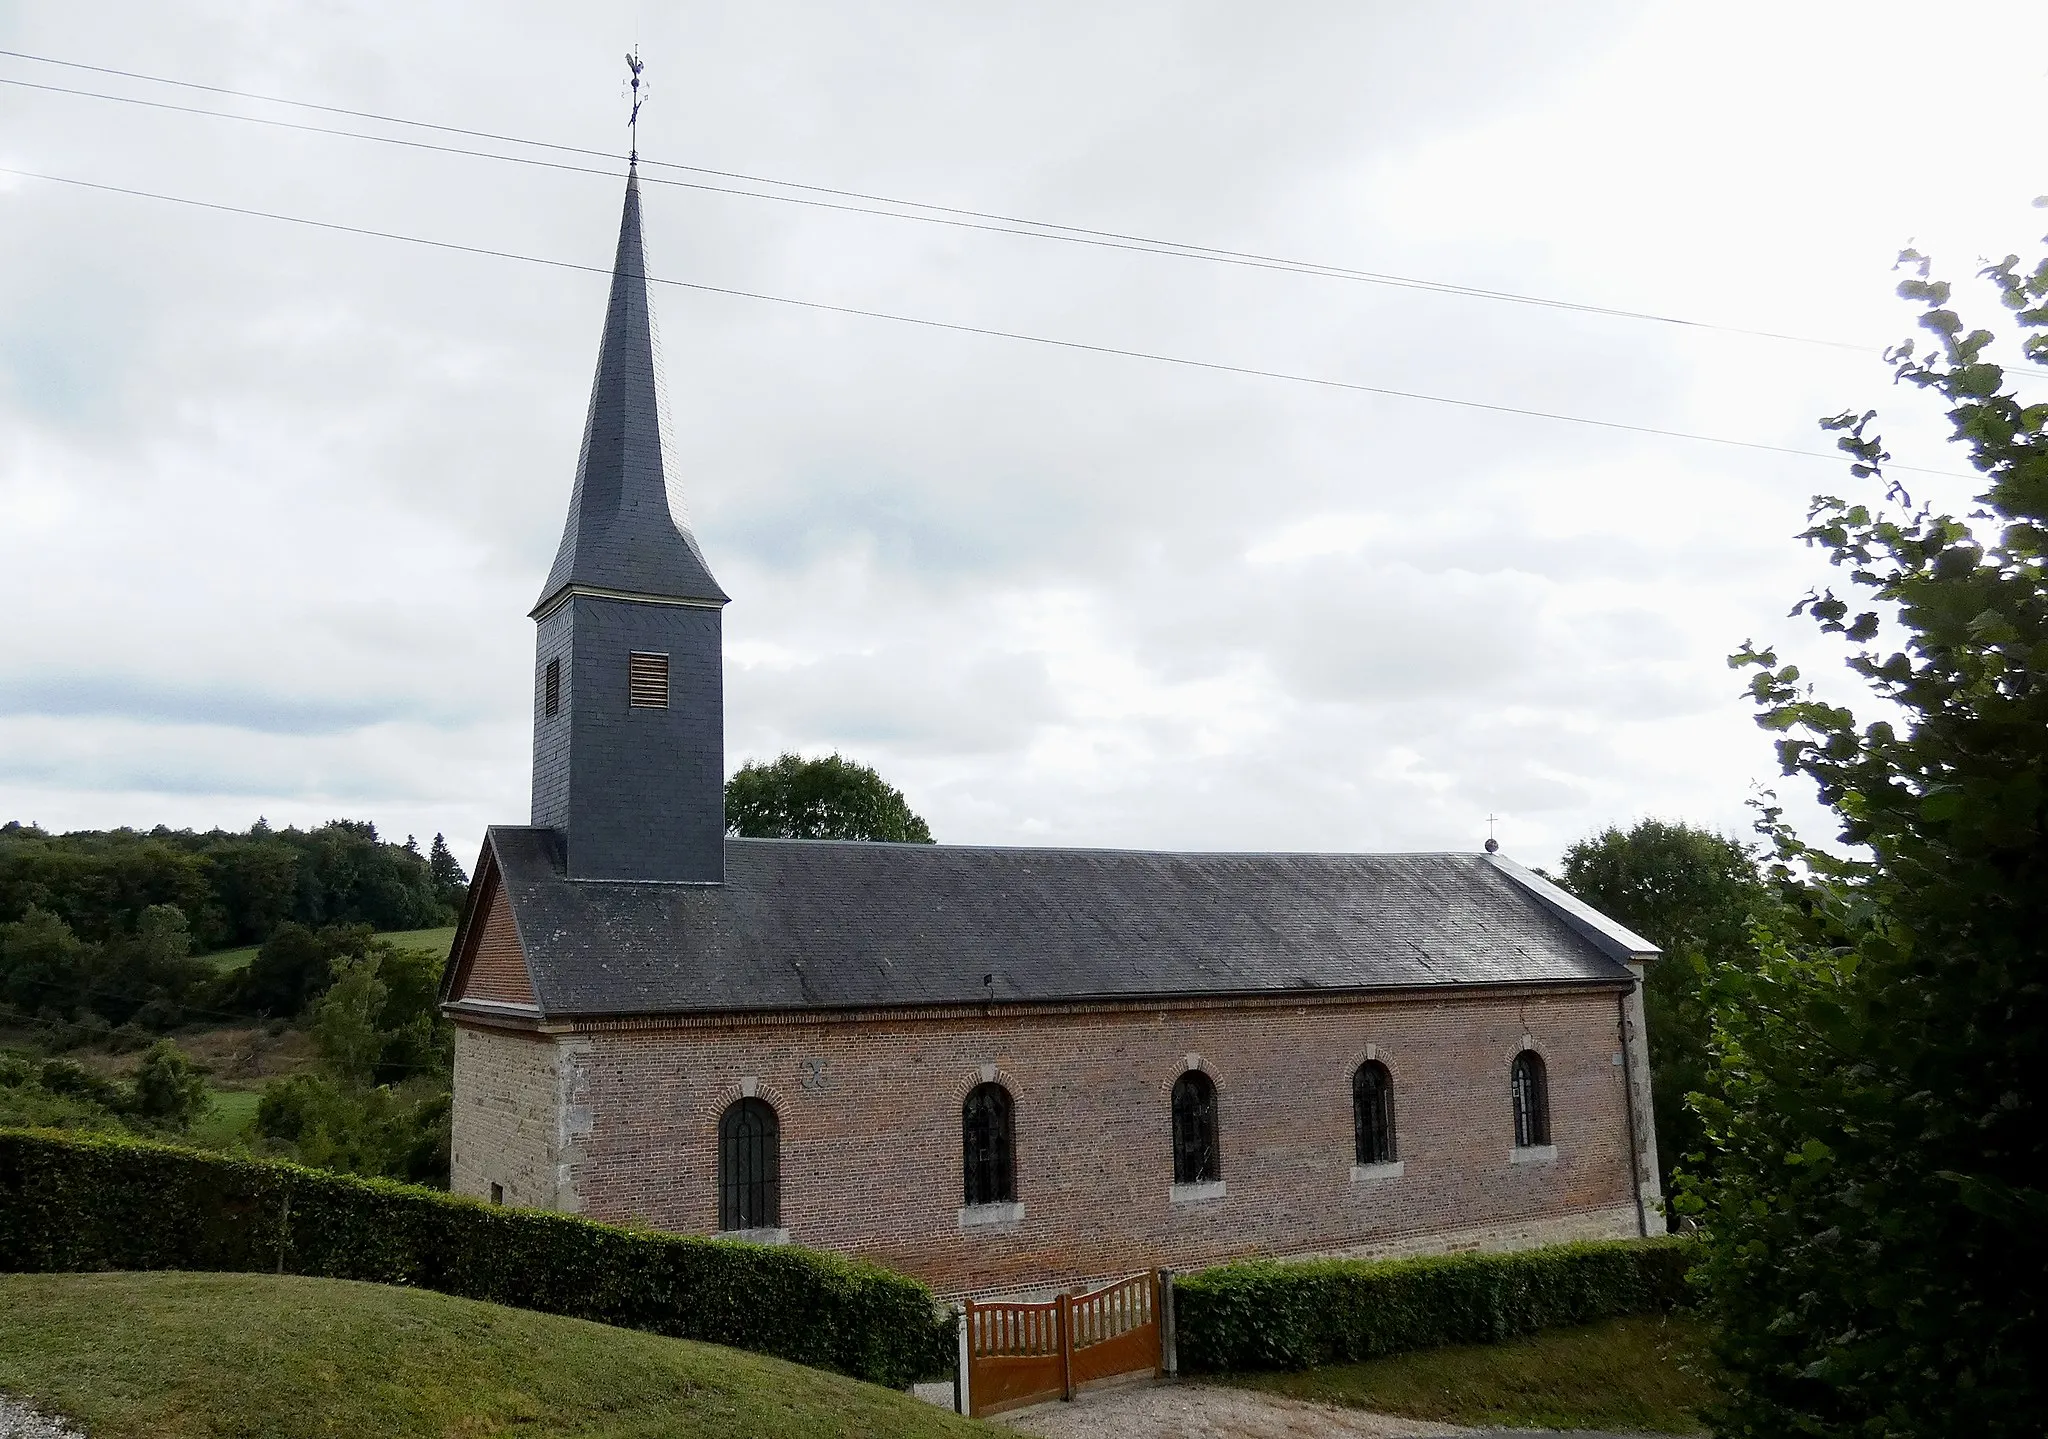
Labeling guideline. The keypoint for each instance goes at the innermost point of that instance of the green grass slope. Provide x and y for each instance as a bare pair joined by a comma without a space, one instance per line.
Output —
1650,1372
433,941
175,1356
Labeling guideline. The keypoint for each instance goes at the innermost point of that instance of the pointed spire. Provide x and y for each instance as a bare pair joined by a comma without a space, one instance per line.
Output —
620,537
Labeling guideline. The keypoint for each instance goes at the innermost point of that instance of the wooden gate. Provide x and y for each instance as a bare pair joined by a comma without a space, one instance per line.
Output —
1018,1354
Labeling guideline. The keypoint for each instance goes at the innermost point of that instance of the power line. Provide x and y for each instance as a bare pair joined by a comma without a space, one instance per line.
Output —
987,221
1155,357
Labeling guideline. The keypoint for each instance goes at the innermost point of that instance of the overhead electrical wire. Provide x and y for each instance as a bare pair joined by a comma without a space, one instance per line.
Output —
981,220
1155,357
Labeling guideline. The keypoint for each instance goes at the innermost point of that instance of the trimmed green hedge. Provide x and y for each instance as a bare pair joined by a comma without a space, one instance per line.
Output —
1272,1315
82,1203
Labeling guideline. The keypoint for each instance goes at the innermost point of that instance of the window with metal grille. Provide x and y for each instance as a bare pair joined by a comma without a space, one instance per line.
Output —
1372,1112
1196,1153
749,1167
647,681
1532,1100
988,1147
551,687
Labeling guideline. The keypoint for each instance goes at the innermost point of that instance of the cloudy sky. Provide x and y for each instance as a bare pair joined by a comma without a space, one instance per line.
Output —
274,500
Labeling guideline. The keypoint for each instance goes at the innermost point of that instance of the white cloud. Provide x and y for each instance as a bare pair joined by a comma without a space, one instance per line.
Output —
280,498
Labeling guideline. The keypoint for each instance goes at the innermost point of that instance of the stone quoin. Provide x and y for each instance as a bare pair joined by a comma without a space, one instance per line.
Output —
778,1039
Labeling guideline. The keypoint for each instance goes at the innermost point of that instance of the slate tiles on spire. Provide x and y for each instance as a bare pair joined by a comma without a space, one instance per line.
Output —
620,536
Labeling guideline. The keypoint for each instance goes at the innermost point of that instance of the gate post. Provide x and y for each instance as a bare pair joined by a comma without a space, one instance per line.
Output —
1066,1323
1169,1331
962,1395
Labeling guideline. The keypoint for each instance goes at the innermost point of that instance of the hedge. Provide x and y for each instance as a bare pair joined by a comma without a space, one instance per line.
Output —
1272,1315
85,1203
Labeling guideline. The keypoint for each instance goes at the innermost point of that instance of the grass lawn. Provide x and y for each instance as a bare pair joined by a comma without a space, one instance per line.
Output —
175,1356
436,940
1646,1373
232,1115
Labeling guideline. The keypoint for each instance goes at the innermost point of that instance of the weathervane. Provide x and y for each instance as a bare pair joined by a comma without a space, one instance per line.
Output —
633,121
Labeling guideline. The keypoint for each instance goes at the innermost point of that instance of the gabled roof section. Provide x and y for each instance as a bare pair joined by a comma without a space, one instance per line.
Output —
621,537
487,963
821,925
1609,936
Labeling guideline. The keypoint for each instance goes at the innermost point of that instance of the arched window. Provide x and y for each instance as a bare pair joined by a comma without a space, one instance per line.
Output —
1372,1112
1197,1157
988,1163
749,1167
1532,1100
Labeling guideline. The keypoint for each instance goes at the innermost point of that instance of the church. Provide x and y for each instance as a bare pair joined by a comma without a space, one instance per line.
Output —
996,1069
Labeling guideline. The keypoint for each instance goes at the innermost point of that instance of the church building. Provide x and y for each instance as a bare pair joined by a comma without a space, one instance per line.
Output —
996,1069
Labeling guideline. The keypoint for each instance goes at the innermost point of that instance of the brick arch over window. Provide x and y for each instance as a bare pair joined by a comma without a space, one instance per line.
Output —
1197,1129
748,1087
985,1074
749,1166
988,1145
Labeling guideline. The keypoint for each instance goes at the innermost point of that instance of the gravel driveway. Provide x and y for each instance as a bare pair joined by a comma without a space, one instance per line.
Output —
1215,1411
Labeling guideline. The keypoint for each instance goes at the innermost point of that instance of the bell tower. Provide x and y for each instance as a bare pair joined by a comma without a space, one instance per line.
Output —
628,693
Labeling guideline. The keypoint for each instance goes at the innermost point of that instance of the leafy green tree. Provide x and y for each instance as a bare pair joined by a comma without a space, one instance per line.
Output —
43,966
345,1021
830,798
168,1090
1694,894
1878,1227
449,880
296,965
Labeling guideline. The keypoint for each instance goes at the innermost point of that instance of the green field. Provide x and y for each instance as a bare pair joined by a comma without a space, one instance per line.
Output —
232,1115
433,940
178,1356
1647,1374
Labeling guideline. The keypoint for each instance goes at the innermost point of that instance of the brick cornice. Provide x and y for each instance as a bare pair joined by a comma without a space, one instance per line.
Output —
1156,1006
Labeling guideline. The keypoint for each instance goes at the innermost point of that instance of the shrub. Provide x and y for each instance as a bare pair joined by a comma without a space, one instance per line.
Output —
168,1090
86,1204
1272,1315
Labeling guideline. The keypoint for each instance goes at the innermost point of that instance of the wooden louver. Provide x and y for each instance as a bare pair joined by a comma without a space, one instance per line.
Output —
647,681
553,687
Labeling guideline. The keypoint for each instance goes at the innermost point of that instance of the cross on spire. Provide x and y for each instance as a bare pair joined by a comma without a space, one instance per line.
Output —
635,66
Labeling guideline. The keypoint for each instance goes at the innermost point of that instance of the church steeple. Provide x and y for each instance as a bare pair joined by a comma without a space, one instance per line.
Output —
620,537
629,699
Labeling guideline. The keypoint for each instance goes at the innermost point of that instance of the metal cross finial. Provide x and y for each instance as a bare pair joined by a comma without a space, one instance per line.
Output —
1492,844
633,63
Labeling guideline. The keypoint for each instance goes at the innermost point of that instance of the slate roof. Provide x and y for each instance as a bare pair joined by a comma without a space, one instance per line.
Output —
621,535
807,924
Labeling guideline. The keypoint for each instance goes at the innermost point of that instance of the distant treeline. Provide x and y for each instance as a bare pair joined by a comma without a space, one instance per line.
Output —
233,889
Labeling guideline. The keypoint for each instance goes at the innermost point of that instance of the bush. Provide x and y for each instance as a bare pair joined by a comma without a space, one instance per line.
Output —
168,1090
87,1204
1271,1315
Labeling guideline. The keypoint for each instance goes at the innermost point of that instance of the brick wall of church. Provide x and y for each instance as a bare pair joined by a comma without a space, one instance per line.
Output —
870,1121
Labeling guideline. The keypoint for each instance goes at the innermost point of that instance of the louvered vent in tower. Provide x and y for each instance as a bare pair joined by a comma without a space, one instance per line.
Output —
647,681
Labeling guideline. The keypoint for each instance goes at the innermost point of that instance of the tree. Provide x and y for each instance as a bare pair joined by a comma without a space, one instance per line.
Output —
168,1090
447,873
1877,1224
345,1021
830,798
296,965
1694,894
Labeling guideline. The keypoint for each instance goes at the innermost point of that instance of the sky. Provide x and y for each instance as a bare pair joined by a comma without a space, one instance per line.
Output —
275,499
